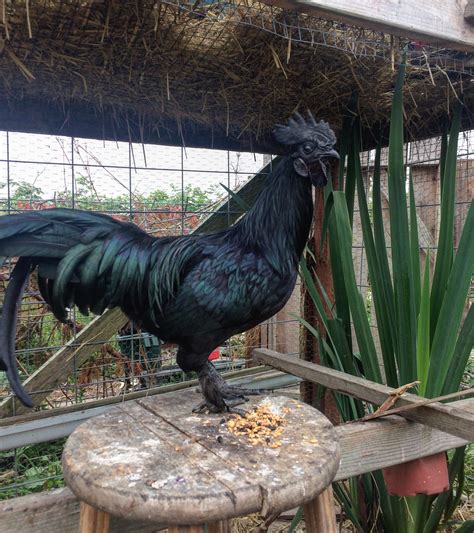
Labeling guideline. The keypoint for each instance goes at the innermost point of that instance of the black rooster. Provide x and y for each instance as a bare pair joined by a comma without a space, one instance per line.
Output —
195,291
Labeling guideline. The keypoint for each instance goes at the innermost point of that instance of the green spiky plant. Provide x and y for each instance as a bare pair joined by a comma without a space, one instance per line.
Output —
419,323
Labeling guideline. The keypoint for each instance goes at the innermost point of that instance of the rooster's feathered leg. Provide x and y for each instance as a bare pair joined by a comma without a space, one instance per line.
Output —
218,395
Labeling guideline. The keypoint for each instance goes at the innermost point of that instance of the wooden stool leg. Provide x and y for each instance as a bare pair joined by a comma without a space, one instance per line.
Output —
320,513
92,520
223,526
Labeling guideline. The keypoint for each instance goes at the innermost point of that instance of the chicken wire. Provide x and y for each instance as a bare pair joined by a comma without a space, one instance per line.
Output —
155,187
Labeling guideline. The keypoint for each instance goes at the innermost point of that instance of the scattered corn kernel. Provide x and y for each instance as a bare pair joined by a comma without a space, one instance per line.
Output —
260,426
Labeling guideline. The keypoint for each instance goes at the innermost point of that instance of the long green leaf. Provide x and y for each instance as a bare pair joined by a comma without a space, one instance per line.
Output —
356,303
338,338
382,256
461,354
452,306
378,290
296,520
344,137
423,331
351,178
400,239
349,408
414,247
340,294
348,505
442,158
444,256
326,218
313,291
466,527
239,201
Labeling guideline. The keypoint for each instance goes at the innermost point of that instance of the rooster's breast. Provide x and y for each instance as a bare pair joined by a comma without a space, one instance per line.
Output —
228,293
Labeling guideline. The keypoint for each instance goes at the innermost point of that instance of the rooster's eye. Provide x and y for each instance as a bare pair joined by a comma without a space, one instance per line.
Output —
308,148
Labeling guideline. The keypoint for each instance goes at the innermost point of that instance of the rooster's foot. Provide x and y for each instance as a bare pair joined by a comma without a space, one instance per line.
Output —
230,407
220,397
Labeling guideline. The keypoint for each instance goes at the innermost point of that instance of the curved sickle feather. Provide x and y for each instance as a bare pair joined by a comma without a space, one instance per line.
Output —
13,294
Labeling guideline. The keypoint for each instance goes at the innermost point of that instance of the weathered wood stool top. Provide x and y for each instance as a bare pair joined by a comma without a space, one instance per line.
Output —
153,459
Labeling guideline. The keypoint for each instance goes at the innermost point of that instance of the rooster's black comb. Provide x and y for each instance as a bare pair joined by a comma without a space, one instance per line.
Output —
300,130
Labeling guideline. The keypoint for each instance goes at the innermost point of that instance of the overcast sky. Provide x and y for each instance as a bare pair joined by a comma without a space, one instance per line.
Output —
45,161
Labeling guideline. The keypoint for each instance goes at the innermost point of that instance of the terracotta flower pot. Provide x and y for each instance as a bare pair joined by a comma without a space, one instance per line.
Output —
428,475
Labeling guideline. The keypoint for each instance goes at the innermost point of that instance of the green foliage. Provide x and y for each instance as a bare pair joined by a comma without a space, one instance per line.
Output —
28,196
26,191
420,327
34,468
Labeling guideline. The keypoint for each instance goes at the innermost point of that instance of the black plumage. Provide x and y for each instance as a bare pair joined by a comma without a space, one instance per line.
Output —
196,290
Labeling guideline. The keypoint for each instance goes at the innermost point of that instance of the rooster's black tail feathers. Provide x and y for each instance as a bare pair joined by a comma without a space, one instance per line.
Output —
13,294
66,247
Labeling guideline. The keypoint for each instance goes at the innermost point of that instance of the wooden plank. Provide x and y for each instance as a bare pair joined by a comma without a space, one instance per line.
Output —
93,520
444,417
320,513
228,211
392,441
55,511
53,372
239,377
369,446
440,22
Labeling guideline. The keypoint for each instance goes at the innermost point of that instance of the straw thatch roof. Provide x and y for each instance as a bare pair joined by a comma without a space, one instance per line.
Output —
206,73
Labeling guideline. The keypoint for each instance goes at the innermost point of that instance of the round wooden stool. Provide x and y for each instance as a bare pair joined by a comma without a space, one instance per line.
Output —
154,460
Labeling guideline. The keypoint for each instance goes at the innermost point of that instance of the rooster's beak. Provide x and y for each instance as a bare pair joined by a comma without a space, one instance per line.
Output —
319,171
332,154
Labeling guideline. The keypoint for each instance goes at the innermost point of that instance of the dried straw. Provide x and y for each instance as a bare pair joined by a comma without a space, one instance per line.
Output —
233,68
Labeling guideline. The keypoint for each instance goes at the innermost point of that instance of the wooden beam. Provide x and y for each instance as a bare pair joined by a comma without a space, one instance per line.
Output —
440,22
53,372
32,114
444,417
392,441
54,511
228,211
51,424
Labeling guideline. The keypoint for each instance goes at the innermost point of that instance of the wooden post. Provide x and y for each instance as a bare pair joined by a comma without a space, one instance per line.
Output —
310,392
92,520
320,513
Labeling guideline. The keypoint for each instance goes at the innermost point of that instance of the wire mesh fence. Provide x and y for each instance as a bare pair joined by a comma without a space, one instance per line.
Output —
166,191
